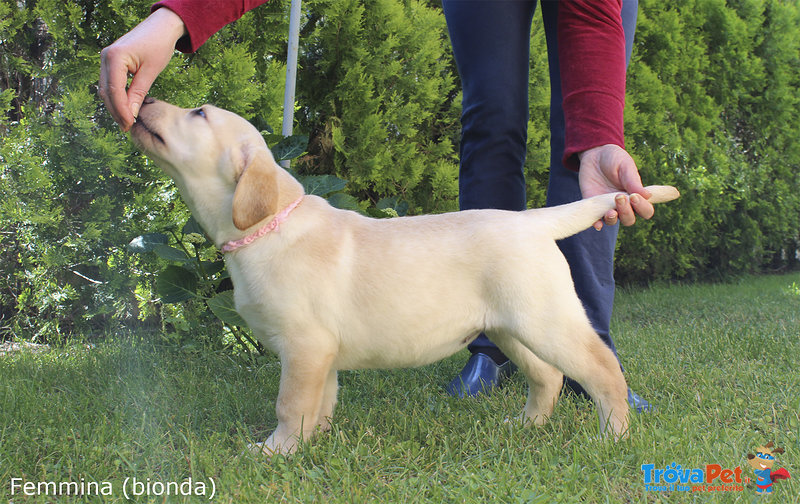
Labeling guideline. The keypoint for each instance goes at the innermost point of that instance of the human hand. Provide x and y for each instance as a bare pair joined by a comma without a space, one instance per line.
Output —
144,52
607,169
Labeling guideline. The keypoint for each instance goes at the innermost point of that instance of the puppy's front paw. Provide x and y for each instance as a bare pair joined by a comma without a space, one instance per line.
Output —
324,424
260,449
518,421
271,446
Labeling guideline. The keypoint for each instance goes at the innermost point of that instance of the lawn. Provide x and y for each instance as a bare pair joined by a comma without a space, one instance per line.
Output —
718,361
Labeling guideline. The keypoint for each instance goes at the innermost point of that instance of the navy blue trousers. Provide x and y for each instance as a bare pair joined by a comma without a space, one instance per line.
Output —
491,45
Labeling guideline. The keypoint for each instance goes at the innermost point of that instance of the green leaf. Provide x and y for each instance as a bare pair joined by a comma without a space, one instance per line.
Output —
147,242
212,267
261,123
290,147
382,213
322,185
222,305
271,138
170,253
6,98
344,201
176,284
193,233
401,207
192,226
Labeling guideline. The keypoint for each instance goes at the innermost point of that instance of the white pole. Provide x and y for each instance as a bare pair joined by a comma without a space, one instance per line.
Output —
291,72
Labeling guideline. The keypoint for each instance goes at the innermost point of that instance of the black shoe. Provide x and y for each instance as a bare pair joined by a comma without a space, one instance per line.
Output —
480,375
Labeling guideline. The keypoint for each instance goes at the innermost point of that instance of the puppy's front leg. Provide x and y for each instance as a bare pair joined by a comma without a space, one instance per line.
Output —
328,401
305,379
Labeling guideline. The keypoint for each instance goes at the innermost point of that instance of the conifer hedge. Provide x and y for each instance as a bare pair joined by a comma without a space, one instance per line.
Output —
712,108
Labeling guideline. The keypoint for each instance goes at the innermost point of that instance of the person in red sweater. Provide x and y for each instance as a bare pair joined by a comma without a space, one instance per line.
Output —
587,53
588,43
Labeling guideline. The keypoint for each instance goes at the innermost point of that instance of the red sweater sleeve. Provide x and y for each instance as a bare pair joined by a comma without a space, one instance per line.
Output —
591,54
204,18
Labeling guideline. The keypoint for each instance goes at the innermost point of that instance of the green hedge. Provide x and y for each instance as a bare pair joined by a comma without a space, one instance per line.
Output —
712,108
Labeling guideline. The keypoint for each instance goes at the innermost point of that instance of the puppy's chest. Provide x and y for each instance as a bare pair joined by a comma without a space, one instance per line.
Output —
255,286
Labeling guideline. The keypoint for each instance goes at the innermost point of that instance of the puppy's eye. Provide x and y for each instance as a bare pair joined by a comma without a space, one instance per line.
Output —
199,112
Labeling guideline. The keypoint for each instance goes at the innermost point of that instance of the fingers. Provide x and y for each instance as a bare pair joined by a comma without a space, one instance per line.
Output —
142,52
630,180
599,225
636,204
113,79
628,207
124,105
641,206
140,86
613,168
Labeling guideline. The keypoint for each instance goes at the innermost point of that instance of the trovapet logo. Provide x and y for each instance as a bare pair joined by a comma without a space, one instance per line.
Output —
711,478
762,463
716,477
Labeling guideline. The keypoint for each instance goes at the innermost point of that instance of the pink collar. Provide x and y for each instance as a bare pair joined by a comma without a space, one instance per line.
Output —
266,228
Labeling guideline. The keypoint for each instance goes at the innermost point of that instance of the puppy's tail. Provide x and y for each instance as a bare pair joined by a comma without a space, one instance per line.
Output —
573,218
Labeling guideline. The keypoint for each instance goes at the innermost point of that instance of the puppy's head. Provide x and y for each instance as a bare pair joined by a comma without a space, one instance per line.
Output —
220,163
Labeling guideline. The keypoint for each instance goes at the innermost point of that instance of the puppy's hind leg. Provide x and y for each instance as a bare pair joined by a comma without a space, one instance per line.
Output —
544,381
584,357
608,388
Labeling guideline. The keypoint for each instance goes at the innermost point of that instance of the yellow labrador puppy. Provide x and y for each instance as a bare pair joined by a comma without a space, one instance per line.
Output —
329,289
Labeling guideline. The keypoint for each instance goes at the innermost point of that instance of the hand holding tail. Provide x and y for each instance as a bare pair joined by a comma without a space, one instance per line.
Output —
610,169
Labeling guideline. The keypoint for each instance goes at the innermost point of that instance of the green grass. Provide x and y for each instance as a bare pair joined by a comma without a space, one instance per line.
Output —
718,361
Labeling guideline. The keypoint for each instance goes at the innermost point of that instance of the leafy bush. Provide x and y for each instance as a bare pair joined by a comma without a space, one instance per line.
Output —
712,100
713,92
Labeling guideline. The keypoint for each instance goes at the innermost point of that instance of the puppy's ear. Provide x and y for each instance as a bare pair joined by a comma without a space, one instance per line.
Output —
256,195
